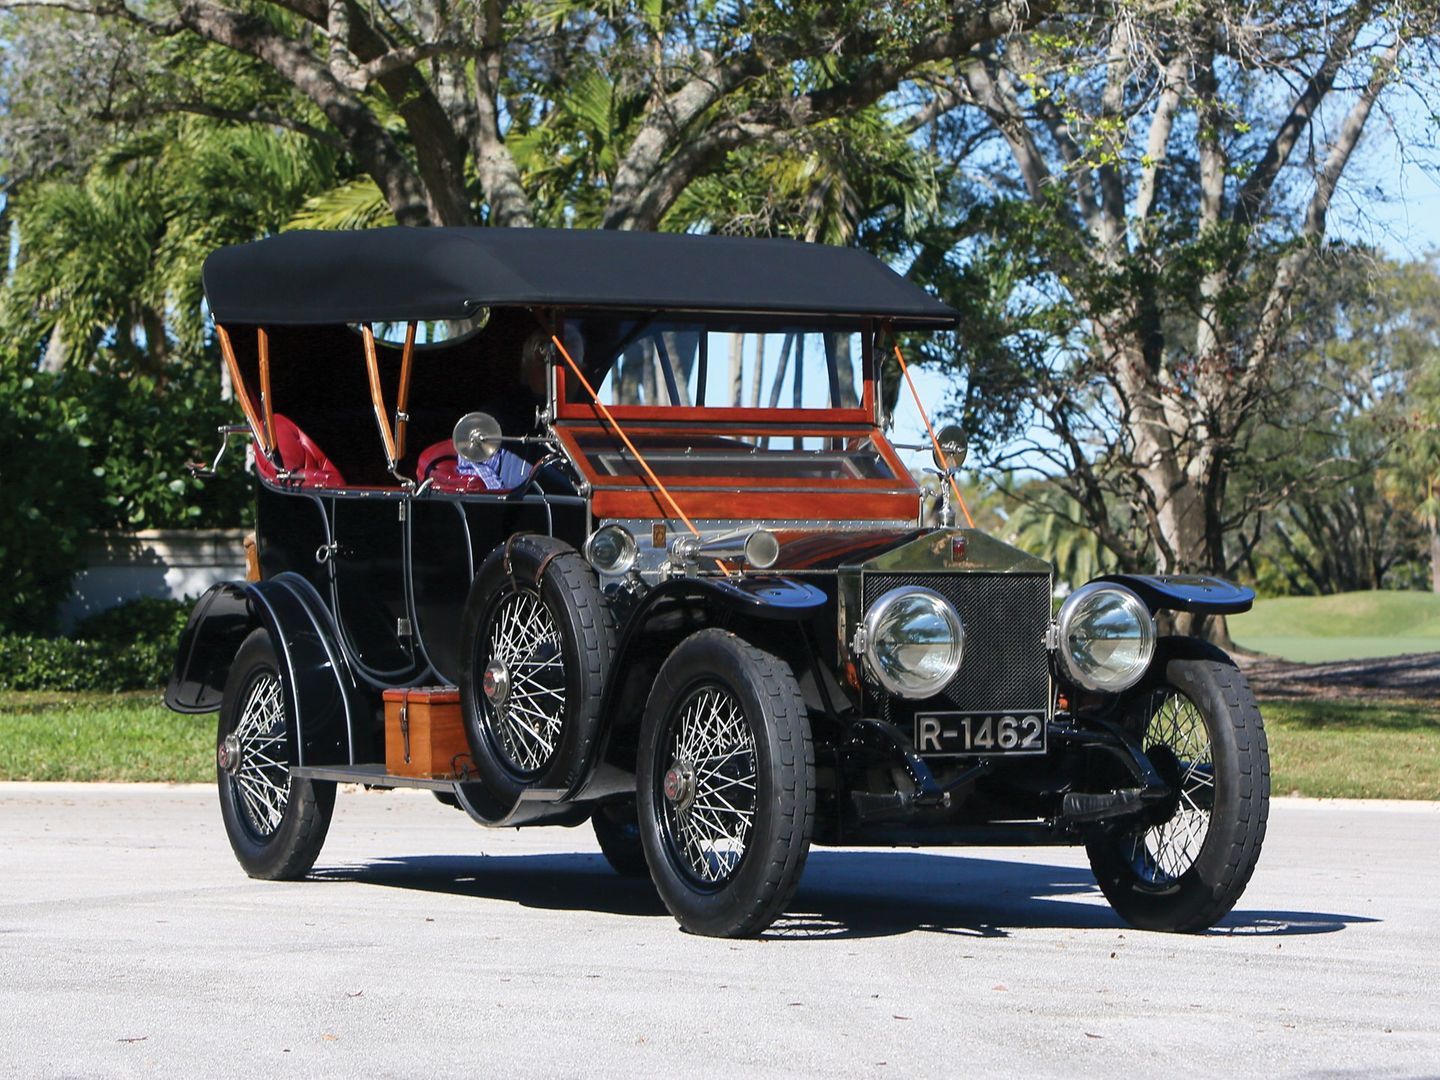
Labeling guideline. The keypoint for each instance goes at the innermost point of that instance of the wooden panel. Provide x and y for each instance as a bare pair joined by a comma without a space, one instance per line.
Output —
424,732
841,505
569,436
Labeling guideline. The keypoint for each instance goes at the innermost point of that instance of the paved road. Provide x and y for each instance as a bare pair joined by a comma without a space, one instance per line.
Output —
132,944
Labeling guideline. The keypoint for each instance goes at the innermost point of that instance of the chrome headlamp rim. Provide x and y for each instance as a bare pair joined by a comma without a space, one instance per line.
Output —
629,548
1065,619
876,614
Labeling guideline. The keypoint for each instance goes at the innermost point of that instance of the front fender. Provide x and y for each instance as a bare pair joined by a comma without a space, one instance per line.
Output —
320,694
767,599
1186,592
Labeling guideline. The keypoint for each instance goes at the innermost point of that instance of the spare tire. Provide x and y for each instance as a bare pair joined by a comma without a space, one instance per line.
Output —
536,647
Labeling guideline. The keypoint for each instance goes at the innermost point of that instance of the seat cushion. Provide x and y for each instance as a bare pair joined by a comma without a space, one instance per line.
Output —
305,462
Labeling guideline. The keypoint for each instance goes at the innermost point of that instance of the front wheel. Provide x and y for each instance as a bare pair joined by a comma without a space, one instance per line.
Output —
726,784
1183,867
276,823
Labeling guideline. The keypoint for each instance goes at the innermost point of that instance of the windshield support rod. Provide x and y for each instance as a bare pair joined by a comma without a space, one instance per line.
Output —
402,403
242,393
262,344
934,440
377,398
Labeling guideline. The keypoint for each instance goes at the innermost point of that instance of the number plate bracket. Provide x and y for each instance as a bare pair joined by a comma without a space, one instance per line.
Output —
980,734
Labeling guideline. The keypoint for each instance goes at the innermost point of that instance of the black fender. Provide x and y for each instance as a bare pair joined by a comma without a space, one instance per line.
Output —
218,623
766,600
320,693
1186,592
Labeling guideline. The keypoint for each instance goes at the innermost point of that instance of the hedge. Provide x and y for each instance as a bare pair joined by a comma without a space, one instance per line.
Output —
130,647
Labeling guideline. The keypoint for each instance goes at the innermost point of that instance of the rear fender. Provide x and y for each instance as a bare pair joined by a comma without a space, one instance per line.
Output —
320,694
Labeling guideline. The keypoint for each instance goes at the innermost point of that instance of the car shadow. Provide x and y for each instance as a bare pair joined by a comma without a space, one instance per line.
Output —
843,895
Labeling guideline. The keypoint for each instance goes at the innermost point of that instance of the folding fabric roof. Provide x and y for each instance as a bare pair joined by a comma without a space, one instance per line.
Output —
400,274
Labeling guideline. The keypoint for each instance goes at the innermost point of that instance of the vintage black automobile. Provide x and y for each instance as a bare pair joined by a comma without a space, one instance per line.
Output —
632,496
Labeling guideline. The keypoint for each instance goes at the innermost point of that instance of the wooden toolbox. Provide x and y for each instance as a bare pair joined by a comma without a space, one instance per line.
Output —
424,732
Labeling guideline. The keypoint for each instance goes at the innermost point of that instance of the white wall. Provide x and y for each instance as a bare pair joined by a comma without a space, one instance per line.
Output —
164,563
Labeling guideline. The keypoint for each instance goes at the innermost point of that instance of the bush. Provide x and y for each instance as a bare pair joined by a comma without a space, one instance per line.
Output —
146,619
101,448
47,498
36,663
129,647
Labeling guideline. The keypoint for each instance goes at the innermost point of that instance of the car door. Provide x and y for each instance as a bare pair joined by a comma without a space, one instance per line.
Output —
370,585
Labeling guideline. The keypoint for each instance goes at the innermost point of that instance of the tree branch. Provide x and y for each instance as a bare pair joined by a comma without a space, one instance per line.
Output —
1257,186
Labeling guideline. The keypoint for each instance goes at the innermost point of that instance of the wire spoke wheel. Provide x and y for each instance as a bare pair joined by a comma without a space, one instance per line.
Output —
709,786
261,776
1176,737
524,689
276,823
1181,863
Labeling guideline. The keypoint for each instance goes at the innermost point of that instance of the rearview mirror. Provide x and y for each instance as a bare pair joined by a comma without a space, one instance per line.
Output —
952,447
477,437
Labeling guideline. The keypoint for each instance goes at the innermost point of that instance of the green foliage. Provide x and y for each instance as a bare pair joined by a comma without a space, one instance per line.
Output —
139,432
92,449
146,619
109,261
46,495
129,647
37,663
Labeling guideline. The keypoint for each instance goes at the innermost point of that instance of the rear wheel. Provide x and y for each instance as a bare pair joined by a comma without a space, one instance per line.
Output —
726,785
1186,863
276,822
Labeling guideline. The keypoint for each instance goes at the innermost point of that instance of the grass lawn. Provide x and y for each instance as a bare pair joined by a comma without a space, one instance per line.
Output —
1348,626
1327,749
1354,751
89,736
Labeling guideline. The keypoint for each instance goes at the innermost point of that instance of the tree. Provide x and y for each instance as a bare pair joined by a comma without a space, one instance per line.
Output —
426,96
1171,173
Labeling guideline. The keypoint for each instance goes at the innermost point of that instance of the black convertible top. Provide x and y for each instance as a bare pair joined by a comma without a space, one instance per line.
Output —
400,274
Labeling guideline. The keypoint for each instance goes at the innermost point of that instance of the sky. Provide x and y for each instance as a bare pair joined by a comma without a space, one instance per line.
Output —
1387,200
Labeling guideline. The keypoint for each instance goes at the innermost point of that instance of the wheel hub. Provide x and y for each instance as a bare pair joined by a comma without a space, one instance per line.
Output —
680,784
496,682
227,755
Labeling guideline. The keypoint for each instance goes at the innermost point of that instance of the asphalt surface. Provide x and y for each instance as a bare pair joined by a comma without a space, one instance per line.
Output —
132,944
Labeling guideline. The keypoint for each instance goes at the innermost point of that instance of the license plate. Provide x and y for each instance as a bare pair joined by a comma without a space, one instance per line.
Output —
982,734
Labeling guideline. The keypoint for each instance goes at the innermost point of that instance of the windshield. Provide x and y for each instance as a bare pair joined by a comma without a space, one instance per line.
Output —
741,455
645,362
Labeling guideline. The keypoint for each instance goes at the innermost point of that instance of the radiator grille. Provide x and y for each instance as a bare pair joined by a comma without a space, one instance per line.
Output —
1006,667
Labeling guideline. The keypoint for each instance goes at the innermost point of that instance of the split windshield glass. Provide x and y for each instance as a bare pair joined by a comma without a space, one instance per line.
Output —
645,362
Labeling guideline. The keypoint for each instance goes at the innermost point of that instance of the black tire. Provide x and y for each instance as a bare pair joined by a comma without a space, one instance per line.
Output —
276,822
1161,875
563,672
617,831
757,720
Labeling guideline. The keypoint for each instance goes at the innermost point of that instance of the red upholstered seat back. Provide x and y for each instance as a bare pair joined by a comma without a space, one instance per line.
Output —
441,465
300,457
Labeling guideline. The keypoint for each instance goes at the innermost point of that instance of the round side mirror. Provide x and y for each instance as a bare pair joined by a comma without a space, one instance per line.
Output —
477,437
952,447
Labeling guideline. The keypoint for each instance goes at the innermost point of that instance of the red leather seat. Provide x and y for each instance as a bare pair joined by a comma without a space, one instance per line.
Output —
306,463
441,466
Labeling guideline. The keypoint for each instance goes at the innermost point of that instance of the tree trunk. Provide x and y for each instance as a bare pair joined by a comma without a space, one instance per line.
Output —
1435,557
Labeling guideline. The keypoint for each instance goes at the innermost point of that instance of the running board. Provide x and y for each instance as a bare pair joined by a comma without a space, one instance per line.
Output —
371,776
